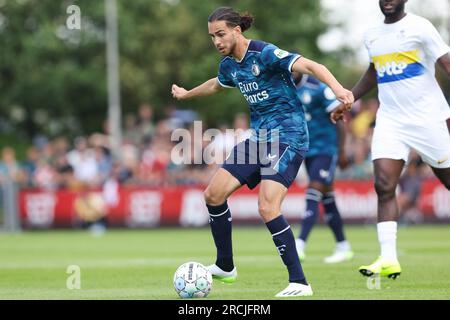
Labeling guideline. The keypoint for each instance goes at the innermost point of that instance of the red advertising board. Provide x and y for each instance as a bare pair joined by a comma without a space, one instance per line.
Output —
184,206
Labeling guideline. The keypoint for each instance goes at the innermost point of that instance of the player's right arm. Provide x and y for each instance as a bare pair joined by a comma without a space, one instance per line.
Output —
444,62
207,88
367,82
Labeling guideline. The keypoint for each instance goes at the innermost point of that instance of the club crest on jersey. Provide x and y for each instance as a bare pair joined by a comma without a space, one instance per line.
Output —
255,70
401,35
371,41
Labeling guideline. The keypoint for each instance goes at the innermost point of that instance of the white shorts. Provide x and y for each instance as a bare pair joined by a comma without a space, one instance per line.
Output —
393,140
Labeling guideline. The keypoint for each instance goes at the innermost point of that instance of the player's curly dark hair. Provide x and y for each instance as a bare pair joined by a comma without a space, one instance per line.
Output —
232,18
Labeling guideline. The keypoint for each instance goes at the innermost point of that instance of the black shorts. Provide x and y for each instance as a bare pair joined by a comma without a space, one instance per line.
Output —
250,162
321,168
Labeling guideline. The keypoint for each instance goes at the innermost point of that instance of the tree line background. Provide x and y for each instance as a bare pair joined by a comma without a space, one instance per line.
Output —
53,80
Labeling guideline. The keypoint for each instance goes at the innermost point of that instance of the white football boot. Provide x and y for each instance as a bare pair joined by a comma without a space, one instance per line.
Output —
300,246
295,290
339,256
223,276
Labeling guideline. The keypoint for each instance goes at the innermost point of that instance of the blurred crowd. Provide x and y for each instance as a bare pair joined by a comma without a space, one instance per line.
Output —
146,155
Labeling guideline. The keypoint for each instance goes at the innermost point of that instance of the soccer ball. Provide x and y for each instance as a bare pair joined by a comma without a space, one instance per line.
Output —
192,280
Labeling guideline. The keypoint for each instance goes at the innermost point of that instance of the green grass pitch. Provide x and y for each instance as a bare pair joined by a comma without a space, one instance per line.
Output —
139,264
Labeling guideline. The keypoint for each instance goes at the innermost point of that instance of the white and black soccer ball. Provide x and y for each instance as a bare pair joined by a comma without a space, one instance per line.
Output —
192,280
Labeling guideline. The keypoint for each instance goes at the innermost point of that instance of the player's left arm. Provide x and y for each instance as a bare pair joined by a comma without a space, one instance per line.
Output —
435,46
207,88
306,66
444,62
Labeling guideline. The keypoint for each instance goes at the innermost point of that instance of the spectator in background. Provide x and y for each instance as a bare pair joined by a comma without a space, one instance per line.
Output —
130,159
60,146
178,118
361,124
40,141
66,178
110,189
154,162
91,206
155,157
131,133
145,124
104,159
47,152
83,161
91,210
360,165
221,145
99,140
29,165
195,169
9,166
241,127
46,175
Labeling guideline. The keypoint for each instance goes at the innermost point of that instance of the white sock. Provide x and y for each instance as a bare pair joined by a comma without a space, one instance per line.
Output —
387,236
343,246
300,244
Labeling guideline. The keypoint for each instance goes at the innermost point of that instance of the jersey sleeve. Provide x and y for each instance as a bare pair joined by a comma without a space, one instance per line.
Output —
433,43
329,99
273,57
224,78
367,40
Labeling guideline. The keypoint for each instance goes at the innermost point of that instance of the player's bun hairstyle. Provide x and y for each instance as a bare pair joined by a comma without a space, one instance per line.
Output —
232,18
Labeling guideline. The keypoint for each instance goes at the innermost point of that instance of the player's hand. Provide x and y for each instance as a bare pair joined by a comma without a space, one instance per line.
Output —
342,160
338,113
178,92
345,97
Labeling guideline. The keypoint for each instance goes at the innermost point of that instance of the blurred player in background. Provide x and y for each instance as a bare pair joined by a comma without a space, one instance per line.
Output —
262,72
410,187
326,150
412,115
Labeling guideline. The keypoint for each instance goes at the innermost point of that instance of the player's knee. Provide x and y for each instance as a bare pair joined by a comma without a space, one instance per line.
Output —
385,188
213,198
447,183
444,176
267,210
318,186
446,180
